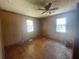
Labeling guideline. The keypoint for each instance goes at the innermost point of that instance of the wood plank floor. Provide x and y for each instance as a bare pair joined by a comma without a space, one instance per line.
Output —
41,48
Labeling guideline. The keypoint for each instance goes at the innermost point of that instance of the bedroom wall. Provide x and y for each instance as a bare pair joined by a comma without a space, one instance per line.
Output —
49,27
14,27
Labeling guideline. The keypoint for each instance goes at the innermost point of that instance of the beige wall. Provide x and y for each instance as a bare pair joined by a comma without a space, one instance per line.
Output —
0,42
49,27
14,27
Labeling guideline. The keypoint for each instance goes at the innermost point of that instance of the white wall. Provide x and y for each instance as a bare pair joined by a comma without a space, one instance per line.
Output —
49,27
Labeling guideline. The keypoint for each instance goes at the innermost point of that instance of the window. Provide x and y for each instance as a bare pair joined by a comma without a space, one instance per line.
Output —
29,25
61,25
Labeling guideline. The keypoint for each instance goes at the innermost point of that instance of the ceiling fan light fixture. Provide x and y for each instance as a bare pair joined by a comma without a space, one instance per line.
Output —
48,8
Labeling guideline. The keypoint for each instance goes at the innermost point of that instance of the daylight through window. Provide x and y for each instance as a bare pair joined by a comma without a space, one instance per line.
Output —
29,25
61,25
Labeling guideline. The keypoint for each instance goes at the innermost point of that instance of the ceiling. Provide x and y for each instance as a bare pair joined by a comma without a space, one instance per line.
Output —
30,7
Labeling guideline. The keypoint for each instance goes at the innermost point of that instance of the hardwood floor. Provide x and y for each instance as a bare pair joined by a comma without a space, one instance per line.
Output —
41,48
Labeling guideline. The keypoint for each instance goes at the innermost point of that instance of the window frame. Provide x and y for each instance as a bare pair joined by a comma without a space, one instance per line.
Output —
61,24
30,24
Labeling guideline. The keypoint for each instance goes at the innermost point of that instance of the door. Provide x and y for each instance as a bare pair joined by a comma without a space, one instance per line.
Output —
76,42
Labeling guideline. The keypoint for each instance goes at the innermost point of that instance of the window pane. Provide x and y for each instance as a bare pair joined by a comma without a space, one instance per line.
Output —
61,21
61,28
58,28
29,22
29,26
61,25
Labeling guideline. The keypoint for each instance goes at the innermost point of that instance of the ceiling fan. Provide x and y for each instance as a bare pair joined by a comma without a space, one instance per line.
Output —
48,8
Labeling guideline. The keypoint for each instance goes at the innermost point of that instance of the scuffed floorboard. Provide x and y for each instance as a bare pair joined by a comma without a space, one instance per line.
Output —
41,48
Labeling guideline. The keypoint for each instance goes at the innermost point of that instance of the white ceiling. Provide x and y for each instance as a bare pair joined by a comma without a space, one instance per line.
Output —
30,7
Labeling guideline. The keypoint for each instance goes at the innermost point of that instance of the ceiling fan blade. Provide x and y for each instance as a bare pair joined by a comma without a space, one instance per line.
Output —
41,9
44,12
53,9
